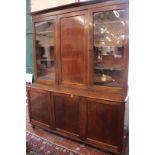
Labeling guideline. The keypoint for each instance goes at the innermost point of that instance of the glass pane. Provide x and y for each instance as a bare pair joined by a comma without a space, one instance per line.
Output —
45,50
109,35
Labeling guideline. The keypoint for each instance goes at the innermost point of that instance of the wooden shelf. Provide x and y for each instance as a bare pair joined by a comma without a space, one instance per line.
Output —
44,32
108,68
111,22
47,60
111,84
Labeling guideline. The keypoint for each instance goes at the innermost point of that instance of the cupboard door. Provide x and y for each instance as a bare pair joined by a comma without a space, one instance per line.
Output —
66,113
105,124
39,107
73,48
110,41
44,54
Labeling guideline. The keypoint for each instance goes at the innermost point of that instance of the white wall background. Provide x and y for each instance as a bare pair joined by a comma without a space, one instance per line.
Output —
44,4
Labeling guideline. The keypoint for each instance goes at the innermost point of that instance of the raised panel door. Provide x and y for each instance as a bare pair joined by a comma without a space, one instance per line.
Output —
66,110
39,106
105,124
73,48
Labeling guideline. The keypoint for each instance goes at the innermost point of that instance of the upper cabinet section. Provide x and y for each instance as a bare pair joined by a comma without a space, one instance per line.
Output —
82,45
45,50
109,33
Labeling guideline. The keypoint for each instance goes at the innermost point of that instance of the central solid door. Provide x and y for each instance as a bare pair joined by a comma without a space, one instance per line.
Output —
73,47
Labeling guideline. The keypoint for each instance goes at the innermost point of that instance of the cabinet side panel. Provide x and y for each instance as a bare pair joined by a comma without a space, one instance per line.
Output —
73,48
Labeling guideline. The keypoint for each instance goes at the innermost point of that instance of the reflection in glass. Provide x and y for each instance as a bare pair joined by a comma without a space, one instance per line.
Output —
45,50
109,35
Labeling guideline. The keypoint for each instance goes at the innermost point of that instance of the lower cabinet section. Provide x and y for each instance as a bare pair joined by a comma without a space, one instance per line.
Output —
95,122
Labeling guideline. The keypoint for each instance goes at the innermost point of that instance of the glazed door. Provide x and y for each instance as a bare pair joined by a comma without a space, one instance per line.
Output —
73,49
110,46
45,53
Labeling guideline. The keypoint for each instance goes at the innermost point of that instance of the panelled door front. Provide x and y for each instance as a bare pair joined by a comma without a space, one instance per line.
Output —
105,124
39,107
73,47
66,109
